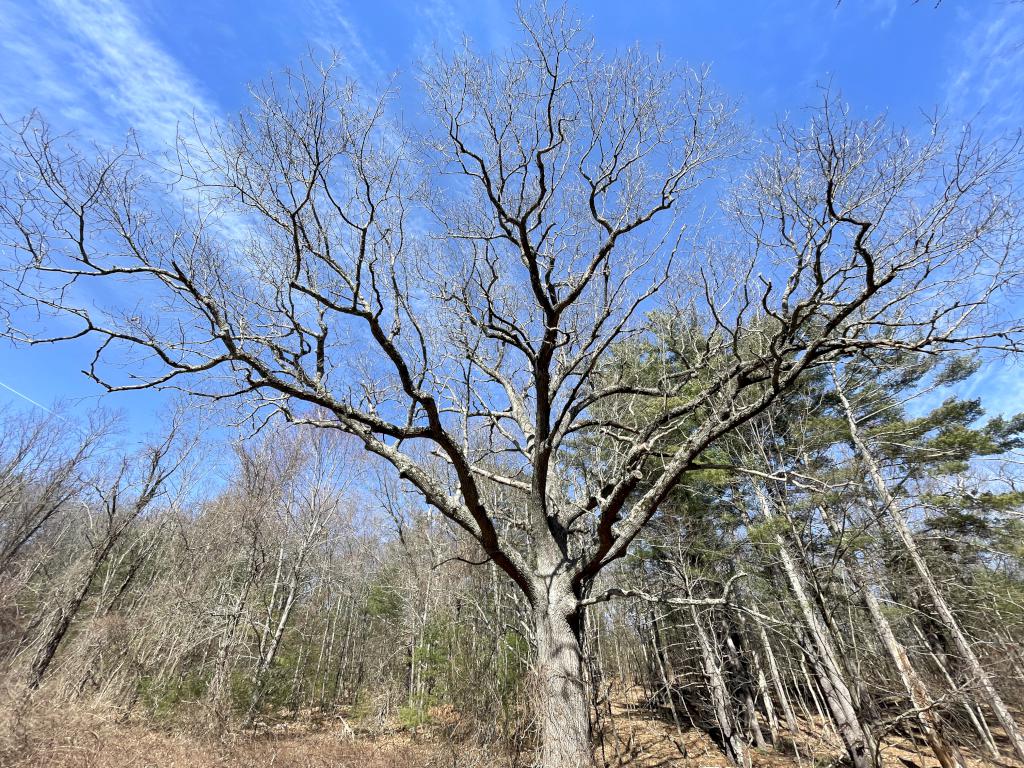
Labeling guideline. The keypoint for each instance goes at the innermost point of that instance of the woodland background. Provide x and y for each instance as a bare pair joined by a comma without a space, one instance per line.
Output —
308,602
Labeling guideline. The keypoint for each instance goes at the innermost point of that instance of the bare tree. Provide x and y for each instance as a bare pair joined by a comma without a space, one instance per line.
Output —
455,303
119,503
309,475
41,471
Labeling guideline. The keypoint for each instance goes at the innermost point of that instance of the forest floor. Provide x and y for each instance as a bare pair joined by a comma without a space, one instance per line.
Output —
636,737
36,734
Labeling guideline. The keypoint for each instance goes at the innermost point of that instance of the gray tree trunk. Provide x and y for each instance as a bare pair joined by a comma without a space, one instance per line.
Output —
823,657
732,742
661,654
745,695
946,616
917,691
777,682
563,706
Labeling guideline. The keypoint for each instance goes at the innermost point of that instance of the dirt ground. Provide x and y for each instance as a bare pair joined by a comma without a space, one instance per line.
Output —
37,734
637,738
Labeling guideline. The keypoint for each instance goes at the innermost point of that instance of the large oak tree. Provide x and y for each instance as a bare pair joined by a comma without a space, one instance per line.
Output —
451,297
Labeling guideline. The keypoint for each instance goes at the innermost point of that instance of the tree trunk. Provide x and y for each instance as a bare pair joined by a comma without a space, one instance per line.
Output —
730,740
979,726
824,657
776,677
751,643
946,616
58,627
661,655
563,707
218,688
269,649
945,752
742,675
66,612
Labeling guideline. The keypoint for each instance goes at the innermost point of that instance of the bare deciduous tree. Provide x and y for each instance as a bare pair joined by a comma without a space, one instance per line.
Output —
119,502
455,303
40,473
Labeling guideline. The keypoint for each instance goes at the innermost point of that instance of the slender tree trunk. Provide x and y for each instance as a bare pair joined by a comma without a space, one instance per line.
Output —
917,691
323,655
65,612
663,667
824,658
742,675
269,650
946,753
823,604
945,614
731,740
812,690
57,628
777,682
761,680
979,726
342,683
219,686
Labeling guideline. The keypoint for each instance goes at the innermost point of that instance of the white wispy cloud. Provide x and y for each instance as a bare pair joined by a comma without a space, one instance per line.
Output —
445,22
33,52
330,28
986,86
133,76
329,25
92,66
987,79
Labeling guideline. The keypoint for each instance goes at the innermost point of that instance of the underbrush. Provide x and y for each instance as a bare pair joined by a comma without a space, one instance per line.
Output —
38,730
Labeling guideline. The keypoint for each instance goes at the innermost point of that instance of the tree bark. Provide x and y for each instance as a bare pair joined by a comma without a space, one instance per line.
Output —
731,741
563,706
777,682
58,627
945,752
746,696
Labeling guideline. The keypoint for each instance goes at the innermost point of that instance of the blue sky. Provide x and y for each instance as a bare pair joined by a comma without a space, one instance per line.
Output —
102,67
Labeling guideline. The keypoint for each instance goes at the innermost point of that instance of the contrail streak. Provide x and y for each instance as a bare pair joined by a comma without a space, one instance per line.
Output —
24,397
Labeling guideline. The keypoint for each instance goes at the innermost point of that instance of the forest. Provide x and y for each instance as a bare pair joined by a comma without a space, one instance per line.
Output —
577,428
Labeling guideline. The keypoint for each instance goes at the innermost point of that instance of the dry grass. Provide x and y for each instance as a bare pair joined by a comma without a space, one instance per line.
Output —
39,732
35,733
